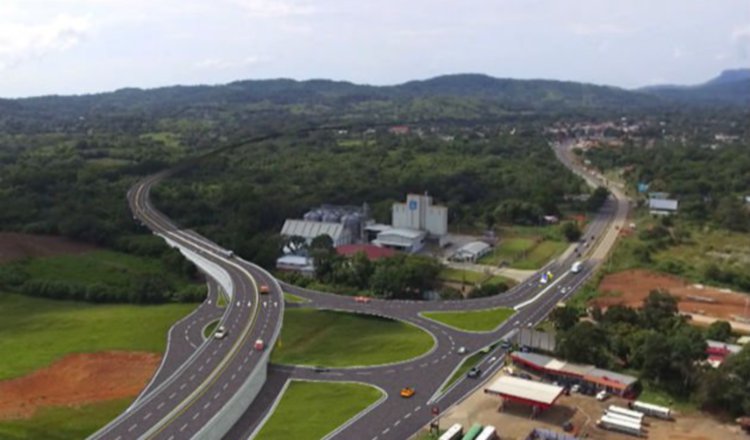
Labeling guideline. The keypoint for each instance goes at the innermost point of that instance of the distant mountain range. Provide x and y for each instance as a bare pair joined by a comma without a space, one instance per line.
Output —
730,87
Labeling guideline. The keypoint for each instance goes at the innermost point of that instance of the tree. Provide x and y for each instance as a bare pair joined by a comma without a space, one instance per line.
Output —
727,388
584,343
564,317
719,331
658,309
597,199
571,231
323,241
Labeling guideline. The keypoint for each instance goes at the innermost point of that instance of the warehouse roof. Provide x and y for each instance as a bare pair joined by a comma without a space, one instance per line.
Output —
663,204
473,248
411,234
588,372
525,389
311,229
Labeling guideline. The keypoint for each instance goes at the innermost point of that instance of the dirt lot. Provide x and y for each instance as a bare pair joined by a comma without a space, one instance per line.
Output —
514,420
15,245
76,380
631,287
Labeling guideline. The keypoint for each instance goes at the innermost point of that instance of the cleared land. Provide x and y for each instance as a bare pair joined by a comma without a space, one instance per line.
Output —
526,248
63,423
338,339
34,332
476,321
77,379
462,276
298,418
631,287
14,246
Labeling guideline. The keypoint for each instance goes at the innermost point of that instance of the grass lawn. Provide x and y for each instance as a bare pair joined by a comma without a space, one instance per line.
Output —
103,267
34,332
62,423
310,410
499,279
209,329
540,255
463,368
477,321
508,250
338,339
459,276
651,394
292,298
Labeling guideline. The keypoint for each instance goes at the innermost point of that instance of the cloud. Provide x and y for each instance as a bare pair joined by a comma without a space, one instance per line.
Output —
585,29
274,8
223,64
22,42
741,32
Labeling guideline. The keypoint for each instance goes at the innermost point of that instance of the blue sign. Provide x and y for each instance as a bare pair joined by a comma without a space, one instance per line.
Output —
413,205
642,187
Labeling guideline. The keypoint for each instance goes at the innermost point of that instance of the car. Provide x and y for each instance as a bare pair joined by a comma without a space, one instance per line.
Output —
601,395
220,332
320,369
505,344
259,345
362,299
474,372
407,392
575,388
264,289
529,324
461,350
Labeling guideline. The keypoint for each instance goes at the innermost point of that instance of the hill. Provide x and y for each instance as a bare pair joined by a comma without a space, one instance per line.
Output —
731,87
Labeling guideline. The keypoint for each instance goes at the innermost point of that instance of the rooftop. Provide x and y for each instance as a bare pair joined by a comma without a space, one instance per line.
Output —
525,389
403,232
311,229
371,251
588,372
474,248
663,204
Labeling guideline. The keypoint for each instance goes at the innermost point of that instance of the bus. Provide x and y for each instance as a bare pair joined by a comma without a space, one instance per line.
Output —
455,432
488,433
473,432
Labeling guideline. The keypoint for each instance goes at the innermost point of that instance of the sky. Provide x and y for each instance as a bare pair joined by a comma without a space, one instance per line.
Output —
85,46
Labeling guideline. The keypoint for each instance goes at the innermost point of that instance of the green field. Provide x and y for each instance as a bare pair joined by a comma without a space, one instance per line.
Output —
338,339
34,332
540,255
310,410
461,276
508,250
62,423
475,321
464,368
103,267
526,247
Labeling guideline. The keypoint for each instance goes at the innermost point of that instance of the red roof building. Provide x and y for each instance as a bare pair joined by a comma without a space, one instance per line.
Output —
372,252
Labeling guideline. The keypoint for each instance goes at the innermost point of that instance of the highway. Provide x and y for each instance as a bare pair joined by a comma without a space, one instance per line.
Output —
399,418
197,378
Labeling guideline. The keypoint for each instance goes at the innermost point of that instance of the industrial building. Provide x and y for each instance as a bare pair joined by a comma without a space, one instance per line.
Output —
538,395
662,206
471,252
420,214
404,240
343,223
570,373
296,263
309,230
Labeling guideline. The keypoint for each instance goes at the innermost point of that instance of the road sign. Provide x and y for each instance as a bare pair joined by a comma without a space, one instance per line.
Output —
435,410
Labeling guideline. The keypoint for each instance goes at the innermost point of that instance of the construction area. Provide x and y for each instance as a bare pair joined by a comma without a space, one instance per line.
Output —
704,304
516,417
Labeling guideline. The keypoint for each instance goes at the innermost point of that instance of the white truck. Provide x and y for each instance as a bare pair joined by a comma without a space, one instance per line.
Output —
613,424
626,412
650,409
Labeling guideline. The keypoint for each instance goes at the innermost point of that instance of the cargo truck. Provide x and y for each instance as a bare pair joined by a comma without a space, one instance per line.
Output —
488,433
455,432
620,426
473,432
624,419
626,412
649,409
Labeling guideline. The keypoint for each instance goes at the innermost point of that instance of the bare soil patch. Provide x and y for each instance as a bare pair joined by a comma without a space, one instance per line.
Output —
78,379
14,246
631,287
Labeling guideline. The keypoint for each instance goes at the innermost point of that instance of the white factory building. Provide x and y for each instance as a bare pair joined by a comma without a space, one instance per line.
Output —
309,229
471,252
400,239
420,214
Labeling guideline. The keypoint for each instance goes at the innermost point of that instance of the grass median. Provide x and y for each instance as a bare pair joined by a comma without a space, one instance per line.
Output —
475,320
310,410
339,339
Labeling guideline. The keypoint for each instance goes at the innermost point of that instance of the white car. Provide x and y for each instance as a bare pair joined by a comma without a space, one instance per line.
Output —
220,332
601,395
461,350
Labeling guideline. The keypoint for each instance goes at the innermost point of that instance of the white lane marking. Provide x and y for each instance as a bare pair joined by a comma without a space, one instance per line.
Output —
233,376
132,427
407,415
396,423
171,396
147,416
200,368
182,387
417,408
386,430
196,415
171,437
192,376
206,405
225,386
216,396
160,406
182,428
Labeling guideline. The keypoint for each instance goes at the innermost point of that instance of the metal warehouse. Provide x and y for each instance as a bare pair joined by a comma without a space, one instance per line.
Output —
539,395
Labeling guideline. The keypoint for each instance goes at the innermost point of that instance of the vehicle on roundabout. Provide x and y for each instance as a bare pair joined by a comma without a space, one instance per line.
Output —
362,299
407,392
220,332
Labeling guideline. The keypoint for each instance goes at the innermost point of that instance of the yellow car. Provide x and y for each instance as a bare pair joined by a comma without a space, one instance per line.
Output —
407,392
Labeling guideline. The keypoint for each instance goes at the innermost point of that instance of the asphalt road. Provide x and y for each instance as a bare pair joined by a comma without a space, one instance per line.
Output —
193,384
399,418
